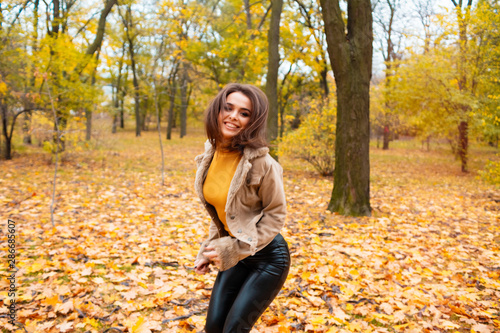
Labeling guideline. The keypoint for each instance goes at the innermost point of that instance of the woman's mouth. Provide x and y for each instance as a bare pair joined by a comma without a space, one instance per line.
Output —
231,126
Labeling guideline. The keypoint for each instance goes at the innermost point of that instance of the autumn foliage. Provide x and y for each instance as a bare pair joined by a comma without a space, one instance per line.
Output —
121,253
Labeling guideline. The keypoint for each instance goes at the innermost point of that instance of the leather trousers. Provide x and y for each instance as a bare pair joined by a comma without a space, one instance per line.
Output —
242,293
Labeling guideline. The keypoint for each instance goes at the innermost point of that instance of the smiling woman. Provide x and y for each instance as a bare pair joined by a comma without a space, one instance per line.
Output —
237,105
241,187
235,115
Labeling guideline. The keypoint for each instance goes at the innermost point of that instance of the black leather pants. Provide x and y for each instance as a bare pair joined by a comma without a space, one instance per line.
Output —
242,293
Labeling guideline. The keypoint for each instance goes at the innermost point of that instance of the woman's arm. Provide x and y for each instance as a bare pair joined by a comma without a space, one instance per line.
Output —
202,262
272,195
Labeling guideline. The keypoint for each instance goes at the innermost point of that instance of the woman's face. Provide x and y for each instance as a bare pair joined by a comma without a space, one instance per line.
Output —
236,116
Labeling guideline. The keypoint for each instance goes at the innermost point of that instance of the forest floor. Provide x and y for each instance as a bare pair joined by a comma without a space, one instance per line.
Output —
121,252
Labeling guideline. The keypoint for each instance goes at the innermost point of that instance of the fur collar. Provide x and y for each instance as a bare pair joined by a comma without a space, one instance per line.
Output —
248,153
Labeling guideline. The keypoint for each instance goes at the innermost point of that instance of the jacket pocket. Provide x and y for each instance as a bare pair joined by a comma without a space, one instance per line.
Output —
250,196
254,180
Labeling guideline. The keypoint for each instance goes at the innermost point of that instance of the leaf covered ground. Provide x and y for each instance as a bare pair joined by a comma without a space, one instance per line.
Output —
120,257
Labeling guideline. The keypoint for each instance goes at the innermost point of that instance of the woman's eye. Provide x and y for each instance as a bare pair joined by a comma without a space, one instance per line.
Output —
245,114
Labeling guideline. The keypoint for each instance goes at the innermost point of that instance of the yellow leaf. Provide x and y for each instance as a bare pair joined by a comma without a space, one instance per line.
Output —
92,322
318,320
52,300
37,266
148,304
137,326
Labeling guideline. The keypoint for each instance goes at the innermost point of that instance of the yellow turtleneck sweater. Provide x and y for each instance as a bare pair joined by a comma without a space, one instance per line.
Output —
219,176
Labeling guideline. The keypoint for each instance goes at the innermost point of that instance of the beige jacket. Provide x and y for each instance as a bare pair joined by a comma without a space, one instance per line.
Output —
255,207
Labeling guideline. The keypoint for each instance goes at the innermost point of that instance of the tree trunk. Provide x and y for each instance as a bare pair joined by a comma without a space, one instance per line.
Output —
129,24
184,106
55,19
117,93
273,39
27,129
28,116
88,124
171,109
248,14
7,152
390,56
351,59
463,126
324,81
116,105
115,123
137,98
463,143
101,26
387,134
122,100
122,111
88,112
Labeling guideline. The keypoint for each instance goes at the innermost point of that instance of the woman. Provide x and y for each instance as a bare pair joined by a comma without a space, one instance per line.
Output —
241,186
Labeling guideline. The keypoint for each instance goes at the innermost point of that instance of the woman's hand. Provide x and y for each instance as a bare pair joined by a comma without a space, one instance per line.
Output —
212,255
201,266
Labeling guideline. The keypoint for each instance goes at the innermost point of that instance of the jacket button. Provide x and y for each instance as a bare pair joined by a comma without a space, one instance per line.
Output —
232,217
239,231
249,239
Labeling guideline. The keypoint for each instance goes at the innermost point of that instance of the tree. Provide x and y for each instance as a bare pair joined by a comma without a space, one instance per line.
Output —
448,89
57,56
131,34
184,99
93,49
485,29
118,83
312,20
28,115
232,47
272,69
351,59
464,80
387,18
172,91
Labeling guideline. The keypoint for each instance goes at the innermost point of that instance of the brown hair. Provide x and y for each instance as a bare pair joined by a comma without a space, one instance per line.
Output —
252,136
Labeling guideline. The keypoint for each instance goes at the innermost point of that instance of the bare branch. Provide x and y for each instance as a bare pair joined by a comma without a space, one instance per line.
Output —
17,16
85,25
261,23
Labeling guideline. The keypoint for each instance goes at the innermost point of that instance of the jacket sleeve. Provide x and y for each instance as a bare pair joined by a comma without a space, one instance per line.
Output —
212,234
272,195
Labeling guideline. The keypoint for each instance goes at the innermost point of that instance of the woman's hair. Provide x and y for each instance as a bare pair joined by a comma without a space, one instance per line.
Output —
254,134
